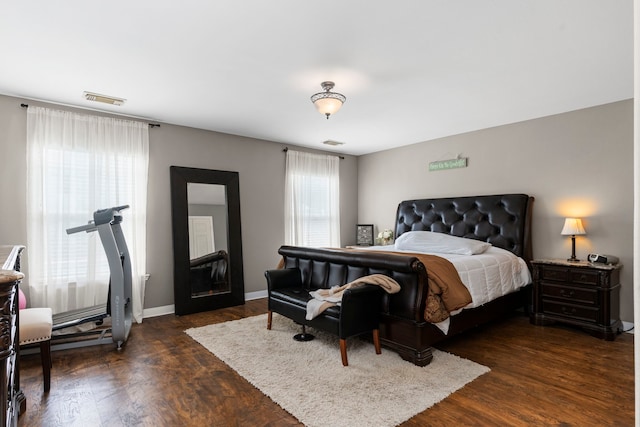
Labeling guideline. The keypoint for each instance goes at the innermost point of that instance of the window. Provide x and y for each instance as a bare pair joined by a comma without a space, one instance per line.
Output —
312,200
77,164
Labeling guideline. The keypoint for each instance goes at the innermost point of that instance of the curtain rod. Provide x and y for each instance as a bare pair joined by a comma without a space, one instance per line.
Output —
285,149
151,125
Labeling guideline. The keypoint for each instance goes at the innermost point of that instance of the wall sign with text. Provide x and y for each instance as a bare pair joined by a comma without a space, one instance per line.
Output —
440,165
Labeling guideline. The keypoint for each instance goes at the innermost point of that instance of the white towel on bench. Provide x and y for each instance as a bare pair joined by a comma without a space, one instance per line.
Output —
325,298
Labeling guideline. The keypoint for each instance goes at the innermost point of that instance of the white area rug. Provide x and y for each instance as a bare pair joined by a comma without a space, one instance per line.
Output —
308,380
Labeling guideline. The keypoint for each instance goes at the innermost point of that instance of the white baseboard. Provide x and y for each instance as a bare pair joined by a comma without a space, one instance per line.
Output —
158,311
627,327
170,309
255,295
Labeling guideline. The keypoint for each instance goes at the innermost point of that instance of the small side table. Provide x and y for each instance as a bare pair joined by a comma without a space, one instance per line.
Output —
580,293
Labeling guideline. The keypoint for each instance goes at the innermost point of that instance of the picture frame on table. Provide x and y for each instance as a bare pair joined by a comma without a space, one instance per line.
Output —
364,235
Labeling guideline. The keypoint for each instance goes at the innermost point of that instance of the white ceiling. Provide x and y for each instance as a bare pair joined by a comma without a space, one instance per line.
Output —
412,70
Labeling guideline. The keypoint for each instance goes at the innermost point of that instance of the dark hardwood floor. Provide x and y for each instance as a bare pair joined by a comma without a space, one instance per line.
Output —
539,376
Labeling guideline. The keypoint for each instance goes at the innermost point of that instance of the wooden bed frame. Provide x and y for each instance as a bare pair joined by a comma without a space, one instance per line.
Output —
502,220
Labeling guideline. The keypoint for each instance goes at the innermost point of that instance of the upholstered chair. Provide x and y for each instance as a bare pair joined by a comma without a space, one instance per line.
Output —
35,327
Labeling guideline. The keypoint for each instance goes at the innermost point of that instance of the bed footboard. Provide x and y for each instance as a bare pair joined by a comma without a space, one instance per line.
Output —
402,325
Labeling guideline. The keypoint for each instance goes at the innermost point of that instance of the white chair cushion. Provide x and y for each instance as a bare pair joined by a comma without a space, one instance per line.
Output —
35,325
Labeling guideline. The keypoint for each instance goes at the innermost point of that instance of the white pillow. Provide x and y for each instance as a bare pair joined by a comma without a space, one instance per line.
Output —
432,242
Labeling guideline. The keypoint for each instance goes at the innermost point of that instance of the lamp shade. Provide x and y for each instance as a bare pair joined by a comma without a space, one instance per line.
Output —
572,227
328,102
328,106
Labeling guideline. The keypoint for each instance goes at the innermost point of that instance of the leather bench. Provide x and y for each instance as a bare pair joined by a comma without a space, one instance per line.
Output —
358,313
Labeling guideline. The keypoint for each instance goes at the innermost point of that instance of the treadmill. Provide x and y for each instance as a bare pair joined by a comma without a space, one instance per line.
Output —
112,320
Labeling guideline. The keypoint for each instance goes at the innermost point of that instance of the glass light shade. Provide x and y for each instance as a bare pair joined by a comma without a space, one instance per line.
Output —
328,106
572,227
328,102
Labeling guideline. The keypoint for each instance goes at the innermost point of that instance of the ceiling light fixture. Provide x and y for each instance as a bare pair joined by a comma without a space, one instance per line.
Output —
328,102
90,96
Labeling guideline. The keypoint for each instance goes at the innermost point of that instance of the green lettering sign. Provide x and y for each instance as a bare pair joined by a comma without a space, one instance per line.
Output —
448,164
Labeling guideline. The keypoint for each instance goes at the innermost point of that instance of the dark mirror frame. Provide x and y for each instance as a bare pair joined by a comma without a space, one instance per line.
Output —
185,303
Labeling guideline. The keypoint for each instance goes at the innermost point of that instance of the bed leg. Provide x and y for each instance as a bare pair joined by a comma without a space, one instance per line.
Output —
269,314
343,352
376,340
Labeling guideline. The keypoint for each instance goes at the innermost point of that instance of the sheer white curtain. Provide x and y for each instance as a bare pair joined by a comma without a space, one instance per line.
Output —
312,200
77,164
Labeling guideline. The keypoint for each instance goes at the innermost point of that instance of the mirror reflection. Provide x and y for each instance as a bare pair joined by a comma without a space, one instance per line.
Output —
208,239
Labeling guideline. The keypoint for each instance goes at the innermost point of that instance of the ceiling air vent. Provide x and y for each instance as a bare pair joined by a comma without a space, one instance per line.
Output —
334,143
90,96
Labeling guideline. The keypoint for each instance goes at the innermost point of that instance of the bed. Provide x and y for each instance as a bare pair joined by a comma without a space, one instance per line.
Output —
208,274
503,221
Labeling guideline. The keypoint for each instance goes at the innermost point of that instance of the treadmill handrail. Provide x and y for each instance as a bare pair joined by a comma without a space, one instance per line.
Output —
88,228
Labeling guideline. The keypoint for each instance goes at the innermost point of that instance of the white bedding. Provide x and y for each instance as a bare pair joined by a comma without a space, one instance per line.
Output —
489,275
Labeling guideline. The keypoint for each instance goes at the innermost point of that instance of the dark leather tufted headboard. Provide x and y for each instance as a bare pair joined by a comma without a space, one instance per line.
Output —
502,220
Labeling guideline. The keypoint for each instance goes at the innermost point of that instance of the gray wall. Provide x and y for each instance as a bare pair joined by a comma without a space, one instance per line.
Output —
574,164
579,160
261,169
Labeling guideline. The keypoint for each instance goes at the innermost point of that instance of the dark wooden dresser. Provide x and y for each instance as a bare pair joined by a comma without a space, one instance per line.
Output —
580,293
12,400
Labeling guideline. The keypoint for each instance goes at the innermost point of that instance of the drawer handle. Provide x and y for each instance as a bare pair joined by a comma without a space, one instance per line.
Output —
565,293
566,310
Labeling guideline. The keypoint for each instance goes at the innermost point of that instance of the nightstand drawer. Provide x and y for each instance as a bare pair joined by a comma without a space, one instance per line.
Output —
583,277
570,275
571,311
557,274
575,294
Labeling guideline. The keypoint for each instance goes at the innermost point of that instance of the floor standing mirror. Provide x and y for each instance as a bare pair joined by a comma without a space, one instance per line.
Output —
207,241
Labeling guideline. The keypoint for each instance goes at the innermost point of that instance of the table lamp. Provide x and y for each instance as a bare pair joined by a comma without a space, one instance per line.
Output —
573,227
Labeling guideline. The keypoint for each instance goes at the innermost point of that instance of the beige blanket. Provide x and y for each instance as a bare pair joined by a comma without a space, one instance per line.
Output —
446,291
325,298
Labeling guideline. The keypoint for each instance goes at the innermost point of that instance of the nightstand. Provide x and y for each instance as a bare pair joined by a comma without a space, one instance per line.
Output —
577,293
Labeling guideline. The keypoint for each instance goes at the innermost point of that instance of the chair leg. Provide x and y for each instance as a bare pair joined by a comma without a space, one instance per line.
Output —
343,352
376,340
45,356
269,314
